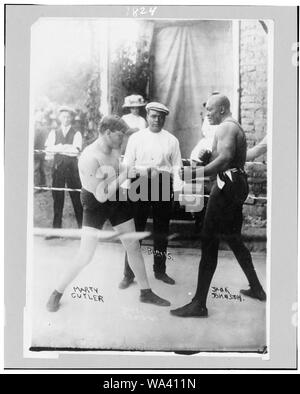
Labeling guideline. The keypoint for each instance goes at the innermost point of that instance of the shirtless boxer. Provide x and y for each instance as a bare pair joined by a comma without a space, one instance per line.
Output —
101,177
223,217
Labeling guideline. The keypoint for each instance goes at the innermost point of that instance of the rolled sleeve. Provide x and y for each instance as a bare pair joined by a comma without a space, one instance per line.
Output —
176,165
130,152
50,141
77,141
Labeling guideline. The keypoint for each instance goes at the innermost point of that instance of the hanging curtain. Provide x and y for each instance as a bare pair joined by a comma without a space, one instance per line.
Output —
190,61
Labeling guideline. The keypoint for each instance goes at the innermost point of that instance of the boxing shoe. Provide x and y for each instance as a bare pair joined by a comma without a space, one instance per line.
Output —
126,282
53,302
193,309
258,294
165,278
147,296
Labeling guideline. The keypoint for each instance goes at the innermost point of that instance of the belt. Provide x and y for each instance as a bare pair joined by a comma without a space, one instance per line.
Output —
228,172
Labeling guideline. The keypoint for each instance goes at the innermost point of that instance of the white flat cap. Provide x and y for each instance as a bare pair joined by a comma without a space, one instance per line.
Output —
157,107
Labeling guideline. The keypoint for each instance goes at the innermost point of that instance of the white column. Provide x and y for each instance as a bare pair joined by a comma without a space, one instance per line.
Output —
103,32
236,68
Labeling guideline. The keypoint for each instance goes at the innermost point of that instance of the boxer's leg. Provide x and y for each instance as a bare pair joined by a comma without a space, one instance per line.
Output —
137,264
209,258
244,259
236,192
86,252
94,217
207,268
140,210
134,254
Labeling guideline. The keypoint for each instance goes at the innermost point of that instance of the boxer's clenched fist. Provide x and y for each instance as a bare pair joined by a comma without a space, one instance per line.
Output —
204,156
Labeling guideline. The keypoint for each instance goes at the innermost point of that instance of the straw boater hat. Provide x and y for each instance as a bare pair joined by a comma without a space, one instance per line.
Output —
65,108
135,100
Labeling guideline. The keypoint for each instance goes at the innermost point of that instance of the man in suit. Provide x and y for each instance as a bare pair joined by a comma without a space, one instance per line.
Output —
65,143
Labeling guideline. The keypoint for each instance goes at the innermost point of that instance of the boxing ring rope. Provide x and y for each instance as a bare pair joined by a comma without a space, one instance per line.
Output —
186,162
188,196
58,189
111,235
103,235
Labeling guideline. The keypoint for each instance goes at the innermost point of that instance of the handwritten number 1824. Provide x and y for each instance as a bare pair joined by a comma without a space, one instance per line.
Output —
141,11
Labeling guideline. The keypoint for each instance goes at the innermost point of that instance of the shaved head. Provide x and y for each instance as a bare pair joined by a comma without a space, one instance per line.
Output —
217,106
219,100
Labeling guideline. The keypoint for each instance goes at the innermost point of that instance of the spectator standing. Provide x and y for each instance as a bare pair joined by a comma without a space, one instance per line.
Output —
66,143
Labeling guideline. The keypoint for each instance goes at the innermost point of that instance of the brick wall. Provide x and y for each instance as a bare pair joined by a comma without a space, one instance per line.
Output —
253,80
253,105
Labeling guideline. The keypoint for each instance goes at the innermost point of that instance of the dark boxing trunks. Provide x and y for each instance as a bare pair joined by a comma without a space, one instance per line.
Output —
96,213
224,212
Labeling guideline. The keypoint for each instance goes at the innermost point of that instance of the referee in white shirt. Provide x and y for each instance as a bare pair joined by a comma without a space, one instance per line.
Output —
65,143
156,156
